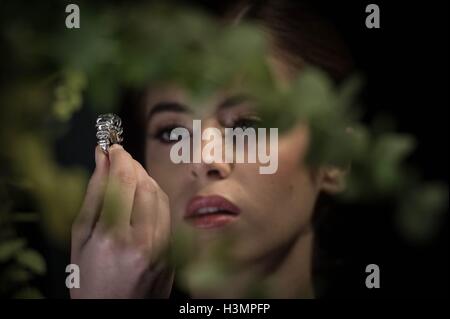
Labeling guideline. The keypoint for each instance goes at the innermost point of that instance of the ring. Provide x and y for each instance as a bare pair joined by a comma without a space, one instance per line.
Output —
109,131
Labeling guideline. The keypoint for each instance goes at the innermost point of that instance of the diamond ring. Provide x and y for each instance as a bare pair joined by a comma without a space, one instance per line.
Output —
109,131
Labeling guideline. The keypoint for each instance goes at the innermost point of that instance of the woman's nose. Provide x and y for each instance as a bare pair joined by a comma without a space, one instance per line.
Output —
213,165
211,171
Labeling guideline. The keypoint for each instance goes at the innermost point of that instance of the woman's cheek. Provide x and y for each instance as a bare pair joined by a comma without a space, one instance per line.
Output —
293,187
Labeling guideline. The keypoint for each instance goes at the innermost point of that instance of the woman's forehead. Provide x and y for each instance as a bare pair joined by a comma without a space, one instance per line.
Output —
174,94
282,71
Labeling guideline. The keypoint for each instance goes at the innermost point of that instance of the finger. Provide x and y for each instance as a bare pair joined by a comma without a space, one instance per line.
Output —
162,230
93,200
163,224
151,213
143,216
120,190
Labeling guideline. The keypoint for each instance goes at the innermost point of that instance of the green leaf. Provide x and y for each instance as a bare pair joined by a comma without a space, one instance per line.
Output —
16,274
421,211
388,153
32,260
9,248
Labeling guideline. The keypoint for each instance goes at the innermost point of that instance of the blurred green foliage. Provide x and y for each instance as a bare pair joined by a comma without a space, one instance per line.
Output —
49,72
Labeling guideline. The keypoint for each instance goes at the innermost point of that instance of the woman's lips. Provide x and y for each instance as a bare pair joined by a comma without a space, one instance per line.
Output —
211,211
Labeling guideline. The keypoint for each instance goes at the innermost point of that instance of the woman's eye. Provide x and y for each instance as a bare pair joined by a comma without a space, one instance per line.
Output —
246,123
167,135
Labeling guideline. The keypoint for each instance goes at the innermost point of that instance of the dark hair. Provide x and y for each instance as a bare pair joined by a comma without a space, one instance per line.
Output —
302,32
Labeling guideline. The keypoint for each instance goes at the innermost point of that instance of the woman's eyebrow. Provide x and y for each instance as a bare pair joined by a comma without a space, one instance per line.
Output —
179,107
233,101
166,107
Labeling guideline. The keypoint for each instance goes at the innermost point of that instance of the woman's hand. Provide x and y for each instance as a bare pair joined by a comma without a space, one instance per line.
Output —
122,232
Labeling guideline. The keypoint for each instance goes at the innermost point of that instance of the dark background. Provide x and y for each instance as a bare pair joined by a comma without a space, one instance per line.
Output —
405,64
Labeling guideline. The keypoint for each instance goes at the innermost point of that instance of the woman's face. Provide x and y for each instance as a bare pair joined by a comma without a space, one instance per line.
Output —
274,209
